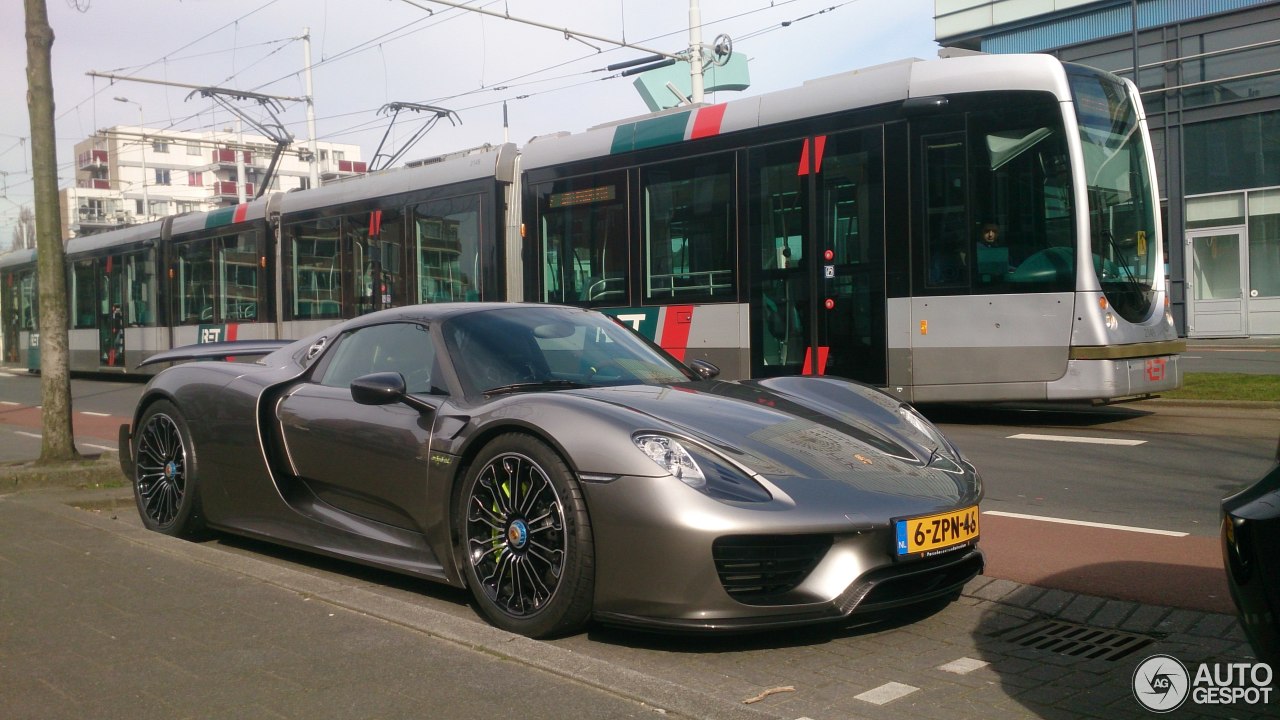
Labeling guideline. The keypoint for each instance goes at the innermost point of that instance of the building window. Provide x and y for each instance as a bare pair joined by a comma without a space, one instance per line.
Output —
1264,243
1232,154
162,177
1227,73
193,148
160,146
339,155
195,179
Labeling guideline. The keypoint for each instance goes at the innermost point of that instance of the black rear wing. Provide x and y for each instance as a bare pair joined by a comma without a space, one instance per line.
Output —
217,351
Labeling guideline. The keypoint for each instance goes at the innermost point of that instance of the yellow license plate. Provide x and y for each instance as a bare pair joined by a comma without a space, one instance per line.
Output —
935,534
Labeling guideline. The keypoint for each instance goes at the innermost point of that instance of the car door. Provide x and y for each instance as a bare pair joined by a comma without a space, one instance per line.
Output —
369,461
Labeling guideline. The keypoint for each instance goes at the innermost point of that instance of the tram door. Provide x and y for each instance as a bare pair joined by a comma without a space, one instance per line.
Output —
817,253
376,259
111,321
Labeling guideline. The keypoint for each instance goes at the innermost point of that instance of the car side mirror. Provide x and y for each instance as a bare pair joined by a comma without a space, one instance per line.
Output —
385,388
704,369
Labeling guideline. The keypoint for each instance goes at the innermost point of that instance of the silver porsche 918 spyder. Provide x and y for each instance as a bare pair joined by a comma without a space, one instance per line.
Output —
562,468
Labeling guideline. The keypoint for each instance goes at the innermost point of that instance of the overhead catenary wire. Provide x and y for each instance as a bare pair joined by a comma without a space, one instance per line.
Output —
520,82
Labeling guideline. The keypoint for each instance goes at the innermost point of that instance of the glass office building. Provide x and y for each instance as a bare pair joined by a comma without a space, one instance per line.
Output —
1209,72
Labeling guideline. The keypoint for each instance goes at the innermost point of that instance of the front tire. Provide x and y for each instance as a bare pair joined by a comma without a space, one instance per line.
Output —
528,554
164,480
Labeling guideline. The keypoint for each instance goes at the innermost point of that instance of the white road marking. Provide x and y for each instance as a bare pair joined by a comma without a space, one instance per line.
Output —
1104,526
886,693
963,666
27,434
99,447
1075,439
8,402
94,414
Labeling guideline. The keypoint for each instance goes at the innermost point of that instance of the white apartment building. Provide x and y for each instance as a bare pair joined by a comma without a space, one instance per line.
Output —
129,174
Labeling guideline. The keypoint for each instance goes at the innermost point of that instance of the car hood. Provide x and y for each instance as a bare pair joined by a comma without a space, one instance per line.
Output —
805,434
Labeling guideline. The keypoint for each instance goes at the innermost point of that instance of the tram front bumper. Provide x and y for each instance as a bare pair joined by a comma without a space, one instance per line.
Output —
1108,379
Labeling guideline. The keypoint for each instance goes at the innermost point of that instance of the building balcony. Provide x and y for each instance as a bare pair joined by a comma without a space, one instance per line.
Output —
226,189
332,169
97,219
91,159
223,157
94,183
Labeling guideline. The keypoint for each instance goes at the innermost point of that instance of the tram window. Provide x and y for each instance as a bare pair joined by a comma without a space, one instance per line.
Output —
778,235
314,270
583,231
946,228
28,315
688,229
238,278
382,281
1020,182
140,281
446,248
84,294
195,282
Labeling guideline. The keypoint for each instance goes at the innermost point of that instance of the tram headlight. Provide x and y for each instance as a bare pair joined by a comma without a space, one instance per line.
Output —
1110,321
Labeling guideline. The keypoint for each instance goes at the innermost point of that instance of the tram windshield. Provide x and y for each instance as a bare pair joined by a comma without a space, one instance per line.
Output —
1122,222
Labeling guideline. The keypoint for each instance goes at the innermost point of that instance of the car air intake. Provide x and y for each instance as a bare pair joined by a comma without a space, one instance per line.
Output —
756,569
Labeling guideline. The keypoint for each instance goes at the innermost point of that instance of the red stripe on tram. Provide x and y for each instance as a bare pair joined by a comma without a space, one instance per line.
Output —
676,323
242,211
707,122
819,145
824,352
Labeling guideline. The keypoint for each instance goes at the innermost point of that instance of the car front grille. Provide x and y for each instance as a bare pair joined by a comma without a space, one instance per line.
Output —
755,569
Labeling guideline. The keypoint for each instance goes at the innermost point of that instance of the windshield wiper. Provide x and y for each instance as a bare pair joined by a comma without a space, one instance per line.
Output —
1129,277
535,385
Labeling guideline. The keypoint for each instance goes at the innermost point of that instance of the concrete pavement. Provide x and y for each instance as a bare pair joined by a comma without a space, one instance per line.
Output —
101,618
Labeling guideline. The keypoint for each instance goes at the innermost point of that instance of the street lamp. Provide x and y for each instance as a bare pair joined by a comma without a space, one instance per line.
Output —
146,202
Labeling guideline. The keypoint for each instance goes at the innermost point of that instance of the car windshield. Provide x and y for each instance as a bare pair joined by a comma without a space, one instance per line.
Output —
516,348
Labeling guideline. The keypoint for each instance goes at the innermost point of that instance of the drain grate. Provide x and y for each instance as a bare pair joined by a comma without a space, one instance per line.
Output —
1074,640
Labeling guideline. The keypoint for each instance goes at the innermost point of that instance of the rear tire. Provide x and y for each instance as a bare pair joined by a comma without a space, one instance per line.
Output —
165,484
527,553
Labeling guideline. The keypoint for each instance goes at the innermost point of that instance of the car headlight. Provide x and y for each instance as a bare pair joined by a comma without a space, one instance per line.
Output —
701,469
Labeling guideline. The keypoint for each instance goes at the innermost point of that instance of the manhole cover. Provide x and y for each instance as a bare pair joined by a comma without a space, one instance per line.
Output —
1083,641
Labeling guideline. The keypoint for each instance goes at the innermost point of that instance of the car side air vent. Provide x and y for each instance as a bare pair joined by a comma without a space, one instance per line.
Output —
755,569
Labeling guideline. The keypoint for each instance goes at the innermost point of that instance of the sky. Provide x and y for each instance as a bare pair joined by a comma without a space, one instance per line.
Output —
368,53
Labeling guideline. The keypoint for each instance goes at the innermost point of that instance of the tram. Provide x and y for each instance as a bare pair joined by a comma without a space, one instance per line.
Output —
978,228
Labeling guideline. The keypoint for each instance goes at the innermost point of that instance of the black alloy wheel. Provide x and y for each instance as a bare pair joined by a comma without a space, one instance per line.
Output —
529,556
164,479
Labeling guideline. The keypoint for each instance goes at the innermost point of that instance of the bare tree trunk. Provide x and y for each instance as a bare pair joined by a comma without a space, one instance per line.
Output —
57,443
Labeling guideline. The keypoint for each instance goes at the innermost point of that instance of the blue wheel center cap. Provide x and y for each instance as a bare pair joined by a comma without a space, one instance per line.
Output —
170,469
517,534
